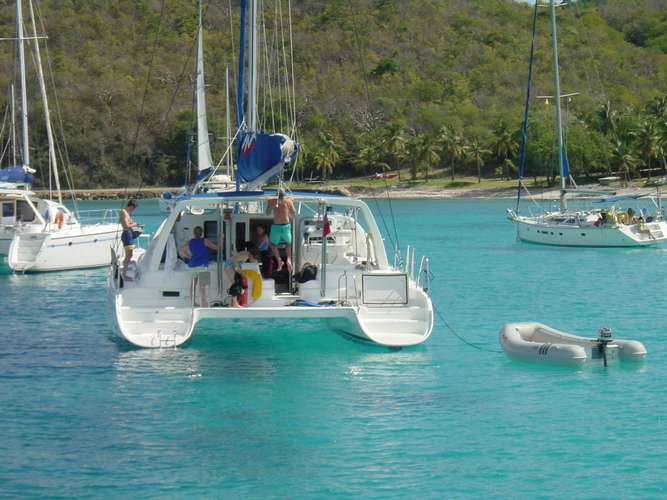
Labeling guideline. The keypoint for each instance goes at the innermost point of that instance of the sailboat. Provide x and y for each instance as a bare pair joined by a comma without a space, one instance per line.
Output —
345,277
207,178
43,234
610,226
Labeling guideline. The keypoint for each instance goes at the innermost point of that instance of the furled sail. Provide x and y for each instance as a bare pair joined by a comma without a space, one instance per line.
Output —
204,158
17,175
262,156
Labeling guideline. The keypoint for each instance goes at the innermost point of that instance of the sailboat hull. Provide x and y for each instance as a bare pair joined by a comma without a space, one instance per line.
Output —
79,248
534,231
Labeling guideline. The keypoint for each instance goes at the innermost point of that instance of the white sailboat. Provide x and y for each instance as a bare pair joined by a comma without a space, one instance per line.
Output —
42,234
606,227
206,179
351,285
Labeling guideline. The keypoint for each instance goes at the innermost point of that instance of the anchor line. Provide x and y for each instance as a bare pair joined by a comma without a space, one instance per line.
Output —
461,338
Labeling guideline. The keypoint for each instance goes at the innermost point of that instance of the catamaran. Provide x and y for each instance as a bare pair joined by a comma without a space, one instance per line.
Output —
43,234
611,226
344,276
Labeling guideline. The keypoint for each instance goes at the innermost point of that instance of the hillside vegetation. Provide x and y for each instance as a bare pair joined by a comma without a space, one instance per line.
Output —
380,84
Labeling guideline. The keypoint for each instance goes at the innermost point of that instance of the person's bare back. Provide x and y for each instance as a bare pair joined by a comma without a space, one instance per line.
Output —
282,209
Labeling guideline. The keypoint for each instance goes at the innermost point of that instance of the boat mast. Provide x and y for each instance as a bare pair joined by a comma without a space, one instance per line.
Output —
47,115
252,83
13,126
228,131
557,96
24,98
204,160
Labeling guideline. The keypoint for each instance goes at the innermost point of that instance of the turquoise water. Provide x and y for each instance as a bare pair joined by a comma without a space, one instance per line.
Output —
300,412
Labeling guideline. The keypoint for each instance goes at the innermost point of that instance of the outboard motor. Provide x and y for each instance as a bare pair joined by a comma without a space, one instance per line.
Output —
603,341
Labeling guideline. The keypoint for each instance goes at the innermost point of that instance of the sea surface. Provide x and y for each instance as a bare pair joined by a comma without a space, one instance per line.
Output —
296,411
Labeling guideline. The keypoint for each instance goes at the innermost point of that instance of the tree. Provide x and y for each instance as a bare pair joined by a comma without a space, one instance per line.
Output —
476,153
453,146
327,157
395,143
428,152
647,140
505,146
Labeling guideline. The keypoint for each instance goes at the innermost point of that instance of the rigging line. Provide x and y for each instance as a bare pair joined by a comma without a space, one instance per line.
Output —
59,140
369,117
391,212
267,75
461,338
143,100
294,132
284,55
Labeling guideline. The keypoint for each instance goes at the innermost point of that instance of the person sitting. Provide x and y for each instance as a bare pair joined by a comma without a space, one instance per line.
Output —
197,250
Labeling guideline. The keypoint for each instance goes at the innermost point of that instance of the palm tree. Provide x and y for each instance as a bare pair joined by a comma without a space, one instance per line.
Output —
624,160
505,145
368,158
428,152
327,157
395,143
608,120
476,153
453,146
647,141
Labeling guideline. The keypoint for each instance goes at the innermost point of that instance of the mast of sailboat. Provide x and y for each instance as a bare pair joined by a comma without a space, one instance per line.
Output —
13,126
562,161
204,159
24,98
47,115
252,82
229,125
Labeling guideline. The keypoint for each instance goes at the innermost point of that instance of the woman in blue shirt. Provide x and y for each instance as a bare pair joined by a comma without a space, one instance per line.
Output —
197,250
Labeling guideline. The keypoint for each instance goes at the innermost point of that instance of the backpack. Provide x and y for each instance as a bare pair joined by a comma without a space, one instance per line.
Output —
308,273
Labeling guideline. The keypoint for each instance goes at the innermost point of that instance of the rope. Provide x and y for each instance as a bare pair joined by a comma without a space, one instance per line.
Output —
143,100
461,338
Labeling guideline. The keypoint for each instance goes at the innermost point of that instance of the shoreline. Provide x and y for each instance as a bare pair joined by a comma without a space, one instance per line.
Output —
472,192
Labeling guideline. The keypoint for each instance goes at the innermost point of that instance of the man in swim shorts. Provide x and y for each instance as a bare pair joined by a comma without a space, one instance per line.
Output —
127,236
281,230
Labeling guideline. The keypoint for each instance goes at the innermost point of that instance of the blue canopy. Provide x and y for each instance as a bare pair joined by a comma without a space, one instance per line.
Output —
261,154
16,175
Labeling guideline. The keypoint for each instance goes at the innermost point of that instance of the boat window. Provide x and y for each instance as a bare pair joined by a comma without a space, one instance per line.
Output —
240,239
8,209
24,211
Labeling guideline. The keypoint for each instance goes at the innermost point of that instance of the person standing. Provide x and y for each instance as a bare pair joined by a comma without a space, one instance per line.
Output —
281,229
127,236
197,250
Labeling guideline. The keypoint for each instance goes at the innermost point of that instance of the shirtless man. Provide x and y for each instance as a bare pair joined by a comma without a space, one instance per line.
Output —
281,230
127,237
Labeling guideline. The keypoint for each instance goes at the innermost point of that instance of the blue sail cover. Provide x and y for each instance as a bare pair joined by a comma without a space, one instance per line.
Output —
259,152
566,164
16,175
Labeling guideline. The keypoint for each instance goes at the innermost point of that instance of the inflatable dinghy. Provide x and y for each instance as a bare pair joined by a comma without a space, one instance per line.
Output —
538,342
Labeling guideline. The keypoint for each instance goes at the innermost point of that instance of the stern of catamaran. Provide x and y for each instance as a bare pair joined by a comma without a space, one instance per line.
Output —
341,274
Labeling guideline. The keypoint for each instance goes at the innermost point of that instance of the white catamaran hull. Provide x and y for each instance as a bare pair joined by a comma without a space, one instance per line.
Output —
77,248
355,291
590,236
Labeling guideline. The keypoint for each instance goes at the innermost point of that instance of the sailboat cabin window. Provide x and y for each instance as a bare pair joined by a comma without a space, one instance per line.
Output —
8,209
24,211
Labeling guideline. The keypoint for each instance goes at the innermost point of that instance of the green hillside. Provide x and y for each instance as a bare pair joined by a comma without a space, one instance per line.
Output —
379,84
